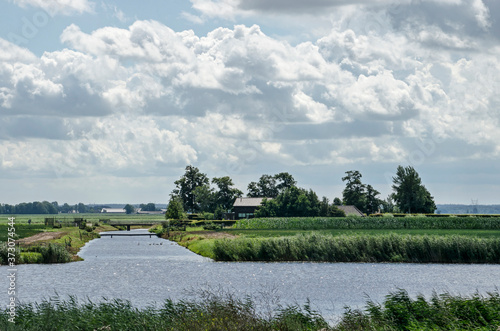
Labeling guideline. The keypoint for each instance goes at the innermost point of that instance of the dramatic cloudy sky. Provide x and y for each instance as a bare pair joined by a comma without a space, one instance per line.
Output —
108,101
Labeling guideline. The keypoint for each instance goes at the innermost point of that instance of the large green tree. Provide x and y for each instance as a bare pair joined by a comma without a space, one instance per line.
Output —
372,203
410,195
186,185
225,193
354,192
270,186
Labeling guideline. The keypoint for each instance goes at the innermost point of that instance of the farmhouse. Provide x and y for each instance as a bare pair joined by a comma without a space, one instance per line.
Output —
245,207
113,210
351,211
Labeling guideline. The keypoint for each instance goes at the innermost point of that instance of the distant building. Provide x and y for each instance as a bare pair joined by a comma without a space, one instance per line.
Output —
149,212
245,207
351,211
113,210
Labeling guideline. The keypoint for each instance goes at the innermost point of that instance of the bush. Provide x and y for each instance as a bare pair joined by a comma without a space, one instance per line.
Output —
212,226
4,253
55,253
31,257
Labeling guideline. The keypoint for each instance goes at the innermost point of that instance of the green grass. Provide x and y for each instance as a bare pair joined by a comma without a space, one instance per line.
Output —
360,248
21,230
216,312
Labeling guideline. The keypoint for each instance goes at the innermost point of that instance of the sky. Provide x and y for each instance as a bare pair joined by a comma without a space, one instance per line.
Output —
109,101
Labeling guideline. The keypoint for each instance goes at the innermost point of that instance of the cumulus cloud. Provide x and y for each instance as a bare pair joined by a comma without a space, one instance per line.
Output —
59,7
135,101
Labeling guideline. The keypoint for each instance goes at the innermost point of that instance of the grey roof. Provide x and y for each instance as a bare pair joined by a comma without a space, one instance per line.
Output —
351,210
248,202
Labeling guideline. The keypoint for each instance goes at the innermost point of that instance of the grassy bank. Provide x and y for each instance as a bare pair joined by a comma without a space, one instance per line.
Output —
398,312
37,243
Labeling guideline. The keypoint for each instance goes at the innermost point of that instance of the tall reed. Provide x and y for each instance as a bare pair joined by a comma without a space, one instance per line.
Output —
212,313
361,248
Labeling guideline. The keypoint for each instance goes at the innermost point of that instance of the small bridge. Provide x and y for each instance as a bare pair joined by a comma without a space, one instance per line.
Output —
127,234
139,223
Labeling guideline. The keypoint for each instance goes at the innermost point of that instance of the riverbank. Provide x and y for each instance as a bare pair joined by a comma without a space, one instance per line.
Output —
226,312
53,245
384,239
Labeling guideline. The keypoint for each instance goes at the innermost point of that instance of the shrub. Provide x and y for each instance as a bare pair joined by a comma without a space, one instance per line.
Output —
4,253
55,253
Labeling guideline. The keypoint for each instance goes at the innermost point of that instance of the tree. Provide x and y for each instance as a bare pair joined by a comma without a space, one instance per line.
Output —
148,207
354,192
226,194
284,181
388,204
174,209
294,202
337,202
372,203
324,207
410,195
265,187
129,209
82,208
186,185
205,198
270,186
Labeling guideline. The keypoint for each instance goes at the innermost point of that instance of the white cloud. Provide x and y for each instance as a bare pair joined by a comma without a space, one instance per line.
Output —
59,7
137,101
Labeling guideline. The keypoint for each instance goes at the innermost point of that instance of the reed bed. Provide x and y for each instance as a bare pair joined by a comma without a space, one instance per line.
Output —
320,223
360,248
441,312
399,311
212,313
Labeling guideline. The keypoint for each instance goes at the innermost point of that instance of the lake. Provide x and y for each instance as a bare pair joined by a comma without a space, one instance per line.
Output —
148,270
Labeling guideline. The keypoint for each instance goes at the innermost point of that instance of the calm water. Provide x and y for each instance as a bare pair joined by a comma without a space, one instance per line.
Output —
147,270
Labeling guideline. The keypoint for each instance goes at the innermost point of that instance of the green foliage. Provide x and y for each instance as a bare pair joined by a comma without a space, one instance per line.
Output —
442,312
409,193
211,312
212,226
22,230
293,202
4,253
334,211
225,195
270,186
55,253
148,207
175,210
361,248
129,209
364,197
186,185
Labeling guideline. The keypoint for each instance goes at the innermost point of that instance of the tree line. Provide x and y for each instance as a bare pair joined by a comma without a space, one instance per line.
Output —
194,192
45,207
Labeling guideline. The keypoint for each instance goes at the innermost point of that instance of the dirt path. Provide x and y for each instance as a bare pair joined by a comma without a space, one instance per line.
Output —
42,236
